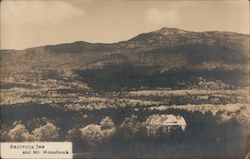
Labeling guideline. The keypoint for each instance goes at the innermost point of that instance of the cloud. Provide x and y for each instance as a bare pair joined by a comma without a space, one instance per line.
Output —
37,12
35,22
162,17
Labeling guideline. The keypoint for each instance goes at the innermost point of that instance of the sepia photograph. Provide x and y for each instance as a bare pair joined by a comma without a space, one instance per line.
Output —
125,79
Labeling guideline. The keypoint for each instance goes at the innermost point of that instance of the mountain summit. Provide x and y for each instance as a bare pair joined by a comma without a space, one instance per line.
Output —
167,31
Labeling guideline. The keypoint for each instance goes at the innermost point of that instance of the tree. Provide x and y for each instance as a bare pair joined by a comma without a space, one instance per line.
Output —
107,123
48,132
130,126
73,134
96,134
20,133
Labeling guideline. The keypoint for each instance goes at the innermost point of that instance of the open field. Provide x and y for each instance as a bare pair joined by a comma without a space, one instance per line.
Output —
215,119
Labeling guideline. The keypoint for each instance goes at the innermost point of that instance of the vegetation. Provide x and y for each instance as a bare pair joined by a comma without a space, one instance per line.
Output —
165,93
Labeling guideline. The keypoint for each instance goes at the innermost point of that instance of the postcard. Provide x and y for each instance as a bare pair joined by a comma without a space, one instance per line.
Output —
123,79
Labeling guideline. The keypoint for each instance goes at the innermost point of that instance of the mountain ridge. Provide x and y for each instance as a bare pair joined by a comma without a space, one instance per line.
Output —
166,56
163,30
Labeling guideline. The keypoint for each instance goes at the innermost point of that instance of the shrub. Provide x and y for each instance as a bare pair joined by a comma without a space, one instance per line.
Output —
214,85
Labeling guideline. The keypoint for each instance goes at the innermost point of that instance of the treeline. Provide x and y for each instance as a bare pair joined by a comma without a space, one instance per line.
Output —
121,132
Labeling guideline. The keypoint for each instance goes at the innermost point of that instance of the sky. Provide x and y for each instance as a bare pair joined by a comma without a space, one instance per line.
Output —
30,23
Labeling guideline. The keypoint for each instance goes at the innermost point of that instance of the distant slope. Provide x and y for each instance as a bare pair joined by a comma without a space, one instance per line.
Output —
159,58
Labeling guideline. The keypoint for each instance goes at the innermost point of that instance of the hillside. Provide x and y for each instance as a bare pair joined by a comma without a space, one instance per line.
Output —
168,54
169,92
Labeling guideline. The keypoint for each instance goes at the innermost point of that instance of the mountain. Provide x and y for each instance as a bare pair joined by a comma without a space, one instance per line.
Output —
161,58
